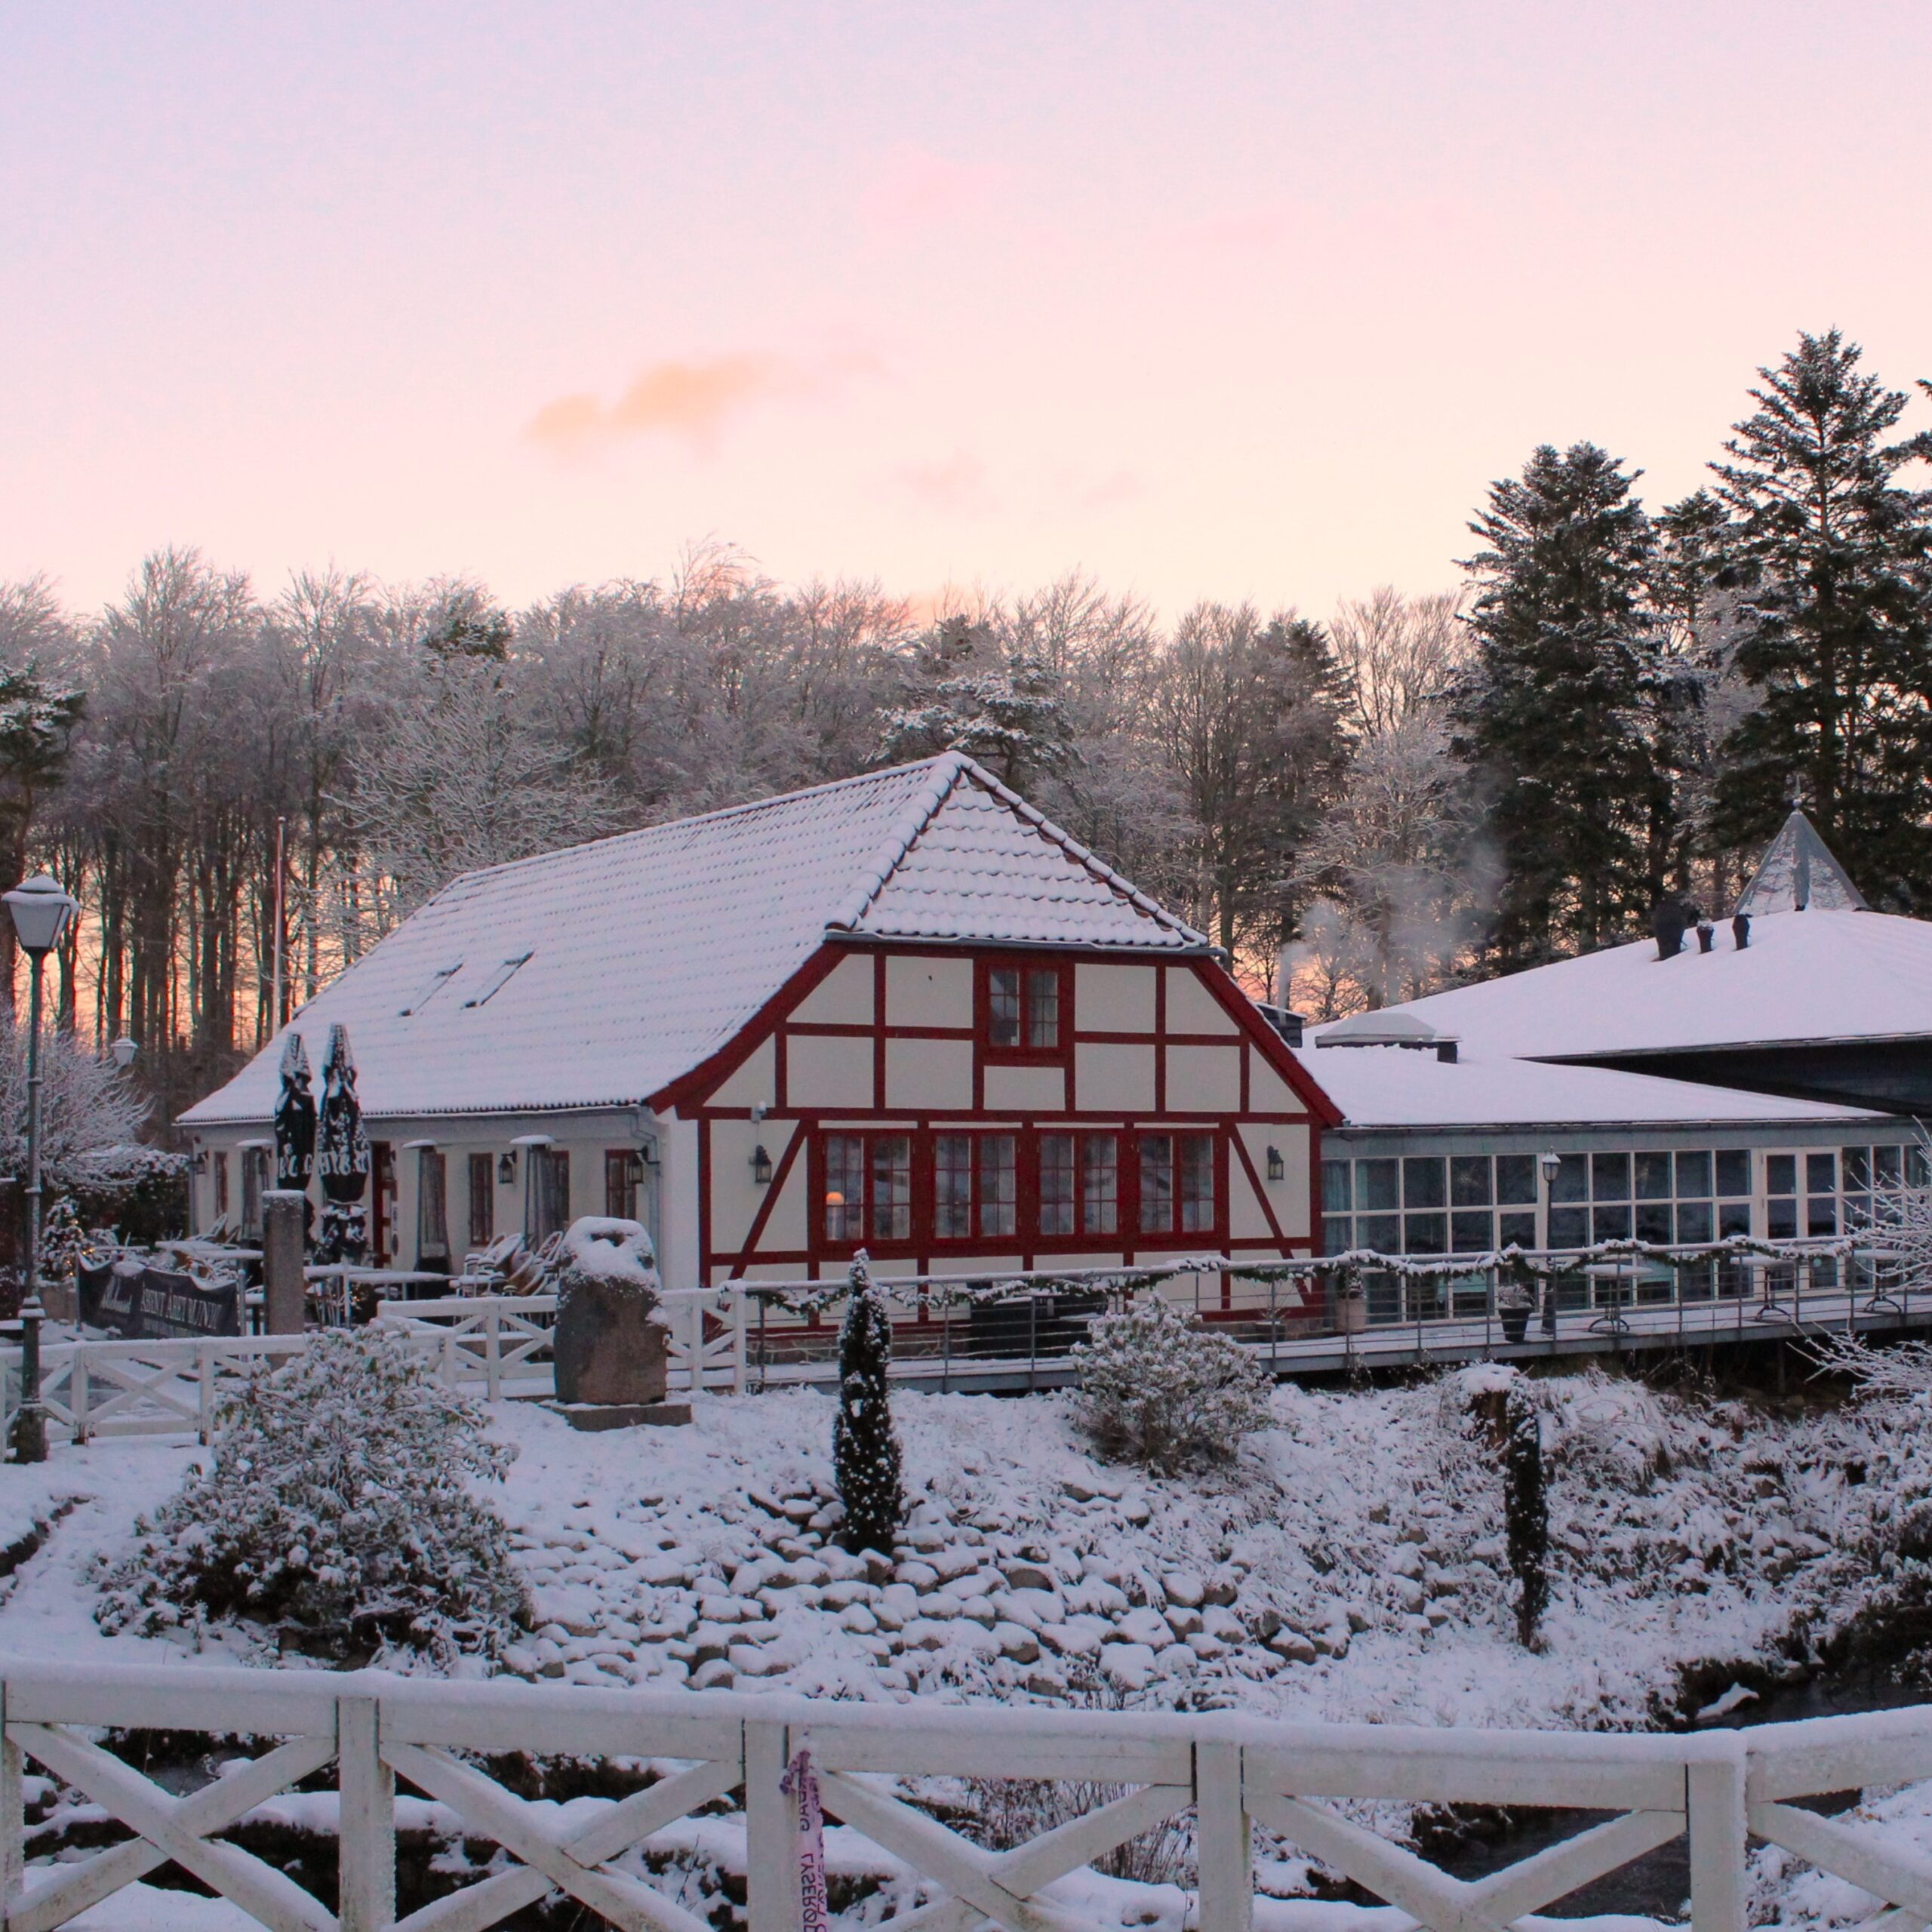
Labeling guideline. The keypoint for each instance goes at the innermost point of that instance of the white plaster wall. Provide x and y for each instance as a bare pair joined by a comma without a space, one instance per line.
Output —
844,998
1290,1196
1191,1008
828,1070
677,1150
928,992
1114,1079
1203,1080
736,1198
1113,999
925,1075
1268,1093
754,1084
1033,1089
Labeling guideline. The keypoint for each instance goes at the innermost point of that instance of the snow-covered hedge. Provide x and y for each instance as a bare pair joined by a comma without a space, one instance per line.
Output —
341,1509
1160,1390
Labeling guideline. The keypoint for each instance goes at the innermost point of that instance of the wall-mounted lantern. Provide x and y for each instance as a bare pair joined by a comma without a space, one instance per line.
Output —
1277,1166
761,1166
507,1169
1551,1165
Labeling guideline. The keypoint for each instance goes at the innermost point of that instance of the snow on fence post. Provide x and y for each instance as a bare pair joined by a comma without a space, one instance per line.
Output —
77,1392
13,1821
366,1844
492,1349
771,1830
1714,1816
1224,1848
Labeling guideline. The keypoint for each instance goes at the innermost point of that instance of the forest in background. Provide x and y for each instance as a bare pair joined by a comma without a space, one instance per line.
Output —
1614,705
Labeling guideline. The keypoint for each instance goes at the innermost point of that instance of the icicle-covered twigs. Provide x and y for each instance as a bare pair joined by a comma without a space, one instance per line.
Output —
865,1445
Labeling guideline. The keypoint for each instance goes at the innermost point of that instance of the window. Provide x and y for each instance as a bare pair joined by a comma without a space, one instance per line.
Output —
622,1169
868,1187
1026,1010
432,1222
482,1199
999,1185
844,1187
436,982
254,1178
1099,1184
1057,1183
547,1193
1177,1173
498,981
219,1160
952,1187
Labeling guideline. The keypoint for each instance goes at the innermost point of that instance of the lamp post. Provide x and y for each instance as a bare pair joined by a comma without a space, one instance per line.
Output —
1548,1165
42,911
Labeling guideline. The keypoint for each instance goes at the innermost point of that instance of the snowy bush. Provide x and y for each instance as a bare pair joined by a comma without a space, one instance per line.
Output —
1160,1390
340,1509
866,1454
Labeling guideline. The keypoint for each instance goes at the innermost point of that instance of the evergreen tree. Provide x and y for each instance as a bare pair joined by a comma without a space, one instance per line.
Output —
1552,719
1834,558
865,1445
963,692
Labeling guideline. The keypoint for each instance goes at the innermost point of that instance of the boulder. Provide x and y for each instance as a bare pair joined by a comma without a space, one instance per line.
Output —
612,1345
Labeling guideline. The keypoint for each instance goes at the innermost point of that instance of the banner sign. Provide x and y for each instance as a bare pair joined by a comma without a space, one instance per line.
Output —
151,1304
799,1784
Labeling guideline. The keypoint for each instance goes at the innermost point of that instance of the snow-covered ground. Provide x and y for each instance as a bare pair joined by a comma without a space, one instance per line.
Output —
1349,1565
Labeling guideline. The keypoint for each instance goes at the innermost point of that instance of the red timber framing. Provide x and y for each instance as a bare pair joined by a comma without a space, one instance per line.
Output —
1006,1093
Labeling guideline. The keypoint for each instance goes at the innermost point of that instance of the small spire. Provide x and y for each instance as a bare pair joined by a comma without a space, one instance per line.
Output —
1798,871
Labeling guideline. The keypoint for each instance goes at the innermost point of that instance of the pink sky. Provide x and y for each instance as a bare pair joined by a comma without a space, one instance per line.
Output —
1234,301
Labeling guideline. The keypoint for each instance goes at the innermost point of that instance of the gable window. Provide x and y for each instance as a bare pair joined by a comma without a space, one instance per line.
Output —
1025,1011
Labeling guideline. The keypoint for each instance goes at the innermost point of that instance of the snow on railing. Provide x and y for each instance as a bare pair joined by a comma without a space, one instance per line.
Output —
1234,1774
494,1346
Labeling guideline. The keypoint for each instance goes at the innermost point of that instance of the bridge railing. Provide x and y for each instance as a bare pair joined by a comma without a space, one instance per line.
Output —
368,1733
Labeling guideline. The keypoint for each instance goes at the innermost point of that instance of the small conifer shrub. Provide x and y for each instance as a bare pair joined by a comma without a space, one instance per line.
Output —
865,1445
1158,1389
340,1511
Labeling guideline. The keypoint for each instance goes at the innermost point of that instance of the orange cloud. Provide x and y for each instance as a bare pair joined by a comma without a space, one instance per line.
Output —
691,400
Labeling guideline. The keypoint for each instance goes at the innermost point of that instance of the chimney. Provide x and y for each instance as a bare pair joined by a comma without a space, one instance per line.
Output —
1740,930
1669,922
1706,935
1445,1051
1288,1025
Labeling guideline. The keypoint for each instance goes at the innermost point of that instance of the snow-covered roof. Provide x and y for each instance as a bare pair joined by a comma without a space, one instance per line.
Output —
1808,977
596,976
1399,1087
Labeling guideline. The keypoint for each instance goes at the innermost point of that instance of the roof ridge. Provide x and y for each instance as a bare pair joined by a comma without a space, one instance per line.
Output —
638,832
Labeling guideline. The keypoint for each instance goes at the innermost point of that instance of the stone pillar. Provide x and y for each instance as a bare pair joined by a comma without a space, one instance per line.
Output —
285,1291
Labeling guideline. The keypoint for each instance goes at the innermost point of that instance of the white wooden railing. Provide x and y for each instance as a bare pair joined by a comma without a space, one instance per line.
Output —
1234,1774
494,1346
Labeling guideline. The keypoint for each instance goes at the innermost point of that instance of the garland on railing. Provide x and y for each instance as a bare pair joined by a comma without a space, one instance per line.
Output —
1526,1269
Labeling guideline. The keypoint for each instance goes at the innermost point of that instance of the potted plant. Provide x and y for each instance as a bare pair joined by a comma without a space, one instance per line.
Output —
1514,1305
1351,1304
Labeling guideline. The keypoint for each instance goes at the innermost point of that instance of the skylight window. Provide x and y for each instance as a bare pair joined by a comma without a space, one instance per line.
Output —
438,981
498,981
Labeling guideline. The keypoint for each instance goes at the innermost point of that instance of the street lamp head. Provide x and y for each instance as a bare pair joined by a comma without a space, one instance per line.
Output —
41,911
124,1050
1550,1164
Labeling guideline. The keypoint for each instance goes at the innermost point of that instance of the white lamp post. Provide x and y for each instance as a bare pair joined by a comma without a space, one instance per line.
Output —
124,1050
41,913
1548,1165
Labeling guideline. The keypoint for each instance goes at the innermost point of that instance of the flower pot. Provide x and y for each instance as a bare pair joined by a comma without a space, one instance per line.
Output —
1352,1314
1515,1323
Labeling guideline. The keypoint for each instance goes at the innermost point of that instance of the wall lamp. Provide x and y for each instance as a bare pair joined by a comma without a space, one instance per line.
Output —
505,1169
1277,1167
761,1166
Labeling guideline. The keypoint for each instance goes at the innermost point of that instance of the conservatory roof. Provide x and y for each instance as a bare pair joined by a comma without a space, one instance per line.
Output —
1394,1086
596,976
1805,978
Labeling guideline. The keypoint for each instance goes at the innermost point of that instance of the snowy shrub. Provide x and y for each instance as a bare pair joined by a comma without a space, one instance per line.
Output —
1160,1390
339,1509
865,1445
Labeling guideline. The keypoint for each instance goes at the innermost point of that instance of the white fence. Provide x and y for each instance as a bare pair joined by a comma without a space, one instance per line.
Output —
1232,1772
490,1346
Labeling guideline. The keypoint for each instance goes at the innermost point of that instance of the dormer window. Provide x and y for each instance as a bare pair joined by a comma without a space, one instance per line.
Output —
1026,1009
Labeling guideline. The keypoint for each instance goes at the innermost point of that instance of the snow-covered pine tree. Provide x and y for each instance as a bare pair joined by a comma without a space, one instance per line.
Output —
865,1445
1553,716
1834,551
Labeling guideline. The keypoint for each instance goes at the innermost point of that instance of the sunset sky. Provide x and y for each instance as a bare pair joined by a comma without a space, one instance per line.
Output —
1242,301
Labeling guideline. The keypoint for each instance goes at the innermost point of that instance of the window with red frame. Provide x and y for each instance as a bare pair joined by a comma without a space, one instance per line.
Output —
1177,1184
1026,1009
1079,1183
868,1180
975,1186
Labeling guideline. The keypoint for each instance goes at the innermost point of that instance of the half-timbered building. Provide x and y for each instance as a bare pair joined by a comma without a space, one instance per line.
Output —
903,1012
